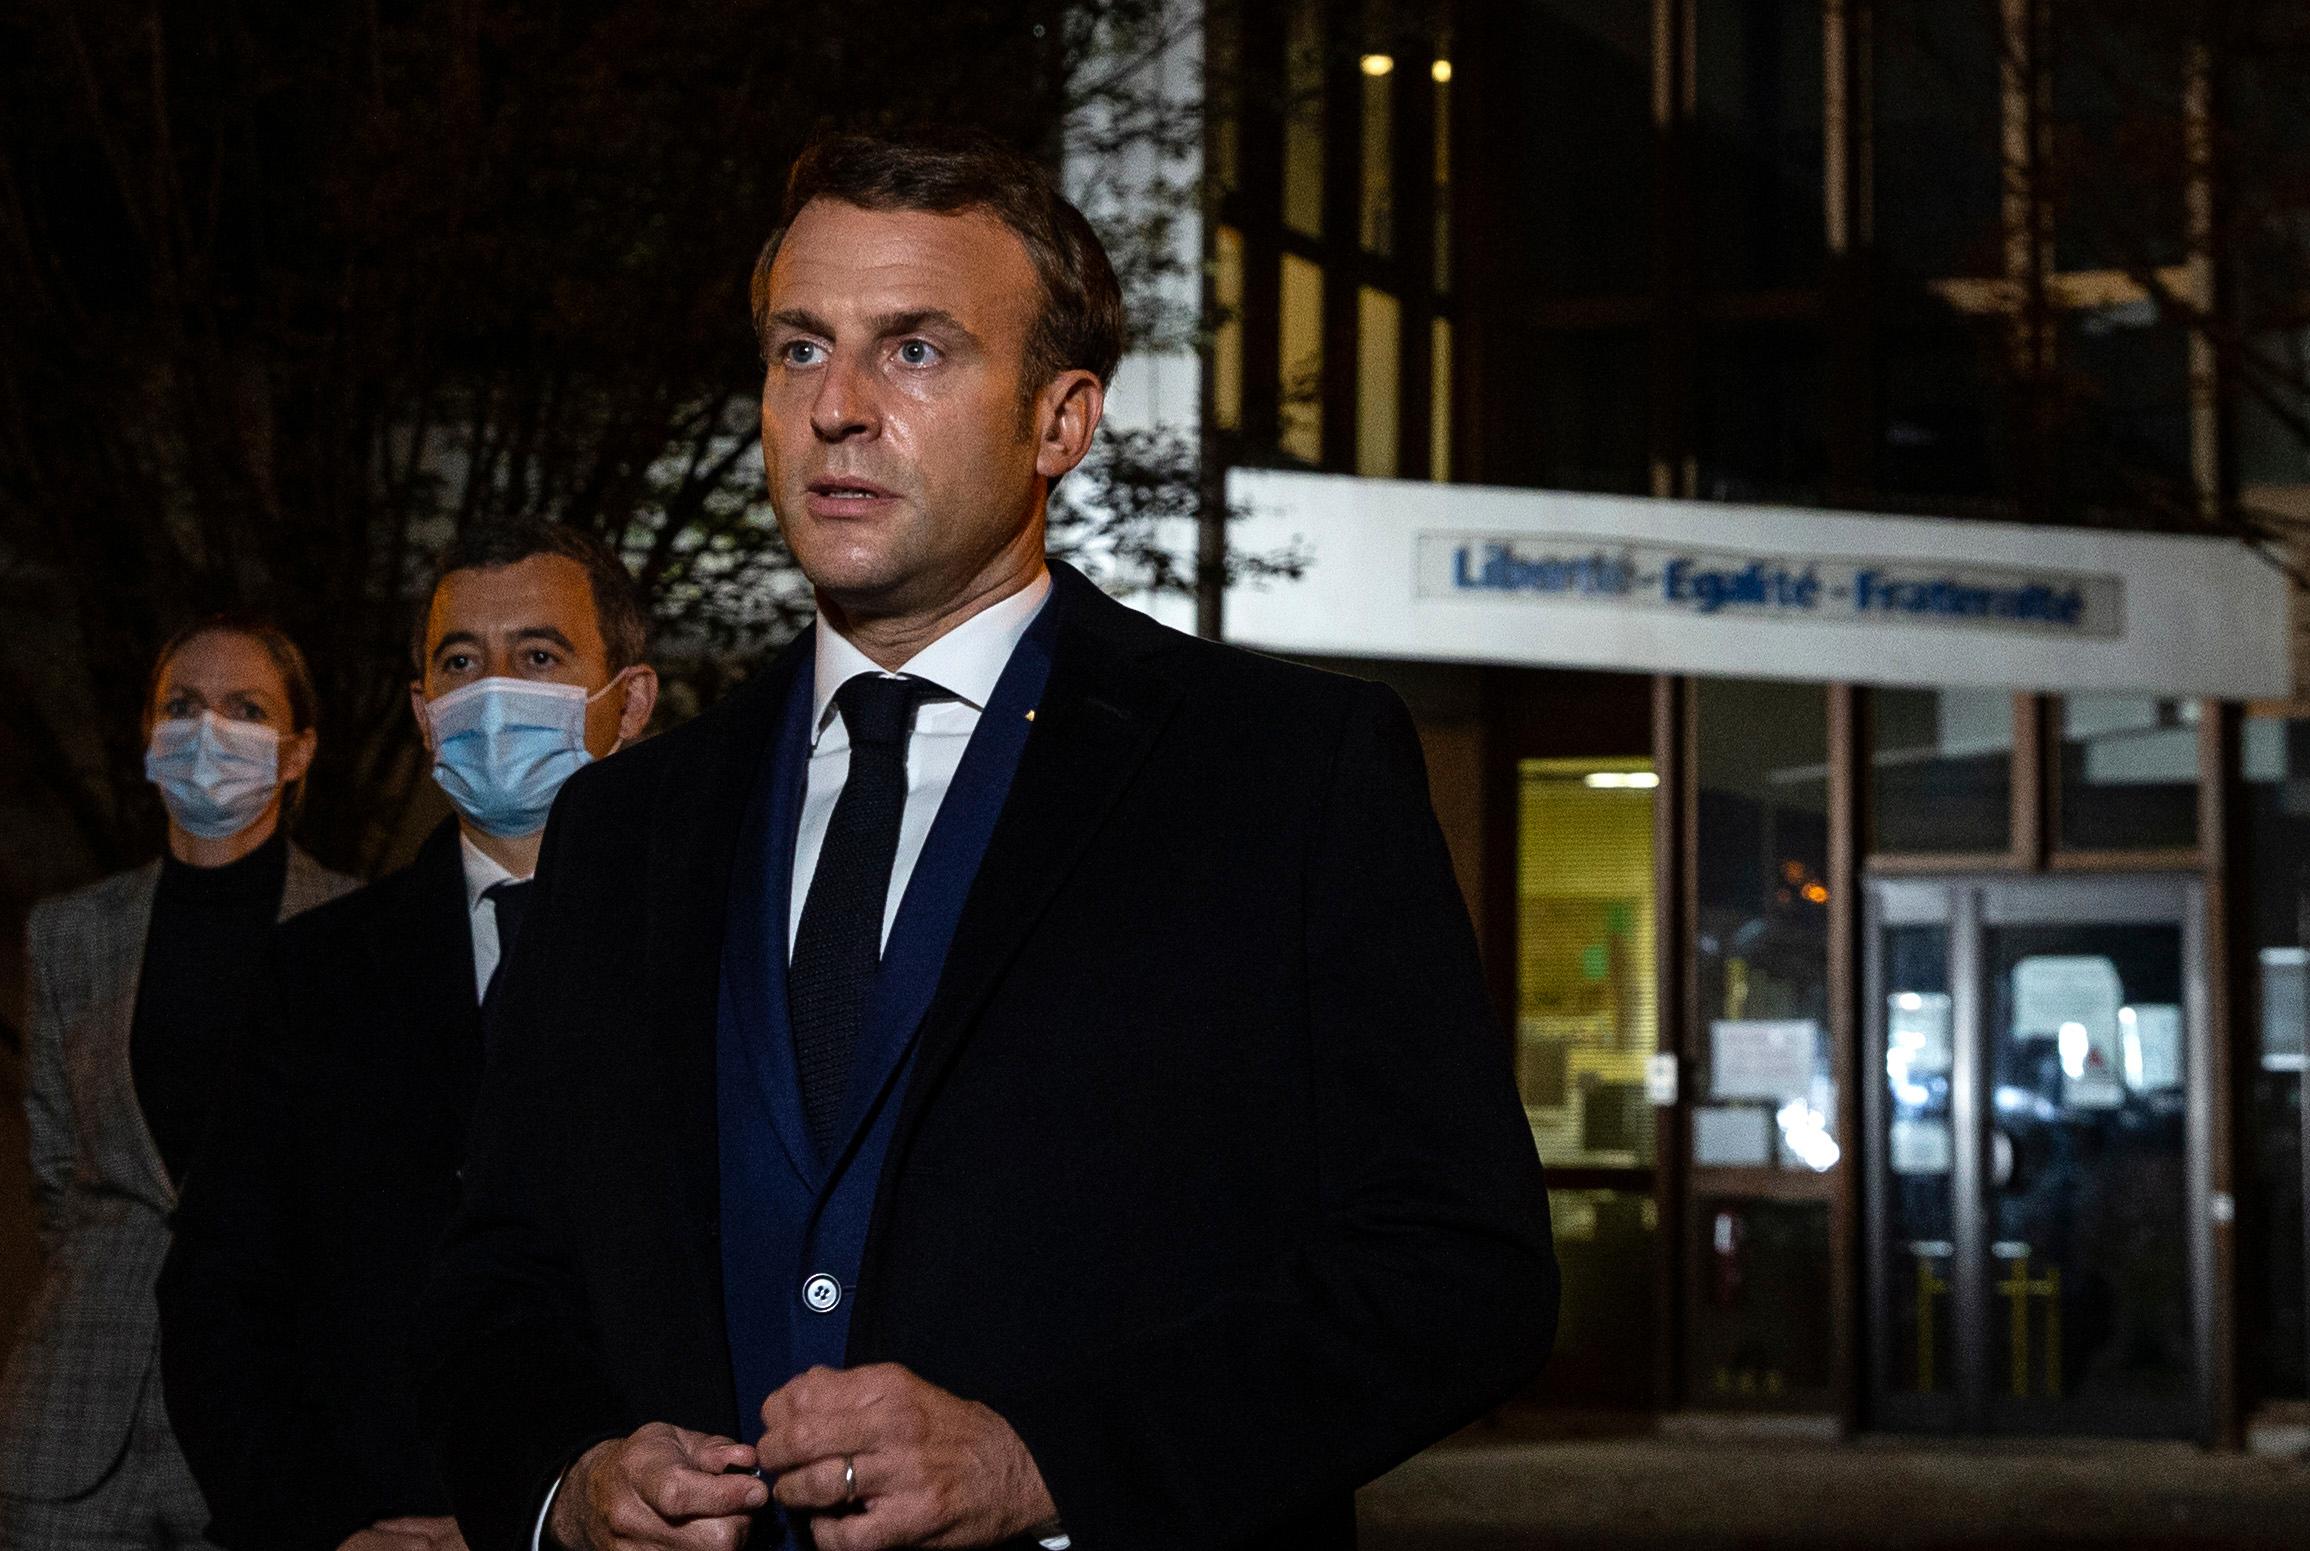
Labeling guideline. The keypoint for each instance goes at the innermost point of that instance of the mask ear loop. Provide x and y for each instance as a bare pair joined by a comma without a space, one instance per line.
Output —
616,679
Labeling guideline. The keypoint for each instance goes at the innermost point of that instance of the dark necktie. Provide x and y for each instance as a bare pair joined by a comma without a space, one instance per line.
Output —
509,897
838,945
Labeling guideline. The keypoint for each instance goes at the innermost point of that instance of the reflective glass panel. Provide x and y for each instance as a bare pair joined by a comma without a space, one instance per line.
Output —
1760,1337
1301,335
1766,1097
2271,446
1760,119
1227,334
1937,138
1223,93
1441,73
1940,770
2124,381
1440,400
1582,402
1377,198
2129,773
1588,1015
1581,219
1607,1335
1303,116
2116,169
1920,1152
2277,884
1762,402
1941,394
2088,1069
1379,381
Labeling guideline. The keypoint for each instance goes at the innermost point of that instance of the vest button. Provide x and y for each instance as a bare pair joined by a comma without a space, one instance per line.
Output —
822,1294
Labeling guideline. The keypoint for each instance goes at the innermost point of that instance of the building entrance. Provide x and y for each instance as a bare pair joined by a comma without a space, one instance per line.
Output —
2036,1147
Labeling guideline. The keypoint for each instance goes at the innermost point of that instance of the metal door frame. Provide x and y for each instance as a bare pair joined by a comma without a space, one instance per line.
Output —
1966,907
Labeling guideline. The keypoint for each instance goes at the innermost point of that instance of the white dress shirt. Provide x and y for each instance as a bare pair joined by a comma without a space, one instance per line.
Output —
482,873
965,664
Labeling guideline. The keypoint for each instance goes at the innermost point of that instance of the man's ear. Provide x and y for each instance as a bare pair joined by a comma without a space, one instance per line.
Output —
1067,414
641,702
417,709
297,751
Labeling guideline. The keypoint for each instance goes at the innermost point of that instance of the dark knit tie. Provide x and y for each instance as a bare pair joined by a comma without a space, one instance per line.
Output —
838,946
509,897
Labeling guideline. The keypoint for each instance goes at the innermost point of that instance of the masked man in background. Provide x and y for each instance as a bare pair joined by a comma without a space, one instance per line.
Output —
303,1243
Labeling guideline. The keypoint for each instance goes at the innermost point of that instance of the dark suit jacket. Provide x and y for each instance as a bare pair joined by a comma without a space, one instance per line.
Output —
303,1240
1210,1176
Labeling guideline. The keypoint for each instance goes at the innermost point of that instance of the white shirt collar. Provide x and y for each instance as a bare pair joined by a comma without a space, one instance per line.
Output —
966,662
482,871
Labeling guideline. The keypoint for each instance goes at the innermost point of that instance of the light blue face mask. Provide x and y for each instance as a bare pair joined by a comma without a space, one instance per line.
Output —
216,777
503,747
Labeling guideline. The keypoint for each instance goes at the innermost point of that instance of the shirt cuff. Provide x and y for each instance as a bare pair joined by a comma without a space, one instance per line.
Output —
537,1535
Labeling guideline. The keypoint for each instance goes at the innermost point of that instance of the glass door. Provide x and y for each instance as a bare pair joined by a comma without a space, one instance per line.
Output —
1587,1026
2037,1151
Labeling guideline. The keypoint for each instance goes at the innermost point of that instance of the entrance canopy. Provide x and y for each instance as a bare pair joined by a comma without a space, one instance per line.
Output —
1462,573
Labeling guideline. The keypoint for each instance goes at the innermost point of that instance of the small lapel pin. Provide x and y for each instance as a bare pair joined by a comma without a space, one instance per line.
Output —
1030,716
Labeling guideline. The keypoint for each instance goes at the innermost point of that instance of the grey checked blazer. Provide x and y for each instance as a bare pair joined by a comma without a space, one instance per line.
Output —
90,1342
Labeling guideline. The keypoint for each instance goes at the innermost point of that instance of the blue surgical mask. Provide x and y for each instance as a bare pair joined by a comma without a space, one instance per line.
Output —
216,777
503,747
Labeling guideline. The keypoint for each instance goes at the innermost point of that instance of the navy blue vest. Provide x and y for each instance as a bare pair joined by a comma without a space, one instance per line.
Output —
794,1225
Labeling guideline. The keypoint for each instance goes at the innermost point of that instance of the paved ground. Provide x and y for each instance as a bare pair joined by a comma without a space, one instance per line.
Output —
1652,1494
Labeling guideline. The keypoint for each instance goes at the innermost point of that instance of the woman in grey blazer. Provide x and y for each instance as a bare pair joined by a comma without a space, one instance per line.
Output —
139,986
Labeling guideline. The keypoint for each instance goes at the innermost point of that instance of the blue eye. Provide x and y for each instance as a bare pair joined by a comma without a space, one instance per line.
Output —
799,352
918,352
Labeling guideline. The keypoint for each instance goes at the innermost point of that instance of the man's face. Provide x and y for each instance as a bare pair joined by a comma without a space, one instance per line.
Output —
902,454
533,619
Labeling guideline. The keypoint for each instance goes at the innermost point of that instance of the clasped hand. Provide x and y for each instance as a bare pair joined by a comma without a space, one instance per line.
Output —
925,1468
407,1534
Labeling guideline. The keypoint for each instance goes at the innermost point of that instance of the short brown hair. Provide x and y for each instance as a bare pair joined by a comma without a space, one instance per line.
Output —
489,546
1082,323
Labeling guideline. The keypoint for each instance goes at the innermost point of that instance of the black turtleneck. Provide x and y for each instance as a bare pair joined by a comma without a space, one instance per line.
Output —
205,963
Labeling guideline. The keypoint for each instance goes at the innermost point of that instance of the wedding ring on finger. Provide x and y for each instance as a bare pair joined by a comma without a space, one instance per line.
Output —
849,1480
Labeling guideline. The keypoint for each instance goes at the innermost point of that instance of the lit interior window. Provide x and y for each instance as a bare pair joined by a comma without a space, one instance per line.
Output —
1379,373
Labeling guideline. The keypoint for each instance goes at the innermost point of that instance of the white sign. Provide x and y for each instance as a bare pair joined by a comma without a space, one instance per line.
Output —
1730,1136
1680,578
1461,573
2151,1045
1762,1059
2073,1000
2050,990
2091,1072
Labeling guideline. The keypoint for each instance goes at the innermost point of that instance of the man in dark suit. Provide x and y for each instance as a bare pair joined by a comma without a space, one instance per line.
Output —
1011,1072
302,1240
